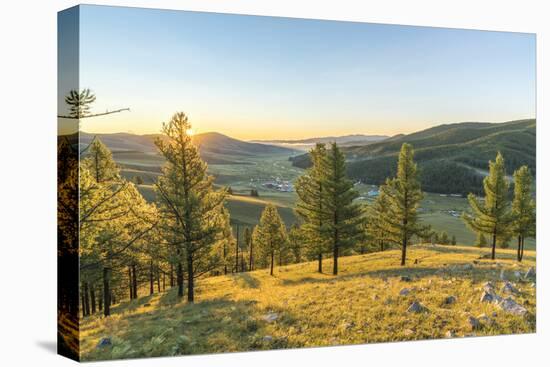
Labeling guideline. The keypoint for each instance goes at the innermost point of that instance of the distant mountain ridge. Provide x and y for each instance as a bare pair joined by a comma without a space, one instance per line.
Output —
215,148
452,157
328,139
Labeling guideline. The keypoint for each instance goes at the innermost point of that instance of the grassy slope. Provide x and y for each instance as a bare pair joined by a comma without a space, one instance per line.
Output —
361,305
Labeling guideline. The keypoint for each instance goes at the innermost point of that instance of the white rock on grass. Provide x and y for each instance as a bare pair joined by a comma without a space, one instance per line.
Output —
449,300
271,316
530,273
511,306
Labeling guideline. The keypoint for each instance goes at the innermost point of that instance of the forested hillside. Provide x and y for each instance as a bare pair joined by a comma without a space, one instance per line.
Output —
452,158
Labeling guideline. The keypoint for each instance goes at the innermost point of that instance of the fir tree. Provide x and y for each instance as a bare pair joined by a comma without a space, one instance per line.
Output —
342,217
309,207
404,196
492,217
270,234
377,214
188,203
523,208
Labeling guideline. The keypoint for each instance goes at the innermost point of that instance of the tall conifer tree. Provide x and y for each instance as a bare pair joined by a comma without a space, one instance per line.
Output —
404,195
492,217
270,234
189,204
342,217
523,208
309,207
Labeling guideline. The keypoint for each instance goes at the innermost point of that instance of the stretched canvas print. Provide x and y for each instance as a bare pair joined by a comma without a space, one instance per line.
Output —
241,183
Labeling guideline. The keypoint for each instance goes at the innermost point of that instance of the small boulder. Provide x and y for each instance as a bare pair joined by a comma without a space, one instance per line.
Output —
450,334
489,287
417,307
511,306
509,288
271,317
404,292
487,297
104,342
474,323
267,338
449,300
406,278
517,274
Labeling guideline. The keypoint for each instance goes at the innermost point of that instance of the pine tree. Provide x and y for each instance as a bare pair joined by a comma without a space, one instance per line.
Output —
295,240
309,206
404,196
270,234
453,240
523,208
342,217
189,206
481,241
100,162
377,214
444,238
249,245
493,216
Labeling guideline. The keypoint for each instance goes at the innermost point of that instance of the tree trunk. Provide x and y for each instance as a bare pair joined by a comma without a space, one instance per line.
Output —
335,263
92,298
151,279
134,280
237,251
83,304
522,247
190,280
100,301
250,260
86,299
158,279
519,248
179,279
493,250
130,283
171,275
320,263
106,293
163,281
404,252
272,260
224,259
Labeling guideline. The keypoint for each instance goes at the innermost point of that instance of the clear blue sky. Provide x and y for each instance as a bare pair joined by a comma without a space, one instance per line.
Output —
266,77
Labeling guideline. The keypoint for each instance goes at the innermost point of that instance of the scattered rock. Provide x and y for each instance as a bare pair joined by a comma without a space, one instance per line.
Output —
517,274
449,300
509,288
406,278
104,342
502,275
417,307
404,292
511,306
270,317
489,287
530,273
487,297
267,338
450,334
533,285
474,323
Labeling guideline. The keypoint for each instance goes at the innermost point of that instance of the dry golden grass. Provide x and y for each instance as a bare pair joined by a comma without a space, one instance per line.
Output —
360,305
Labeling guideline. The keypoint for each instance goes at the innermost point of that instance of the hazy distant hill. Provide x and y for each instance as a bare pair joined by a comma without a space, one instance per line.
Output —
306,144
215,148
453,157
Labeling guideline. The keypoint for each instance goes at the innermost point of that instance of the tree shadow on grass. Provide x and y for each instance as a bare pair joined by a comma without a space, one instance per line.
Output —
213,326
246,280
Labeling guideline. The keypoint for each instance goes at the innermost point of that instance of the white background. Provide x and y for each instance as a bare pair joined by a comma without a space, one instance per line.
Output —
28,181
